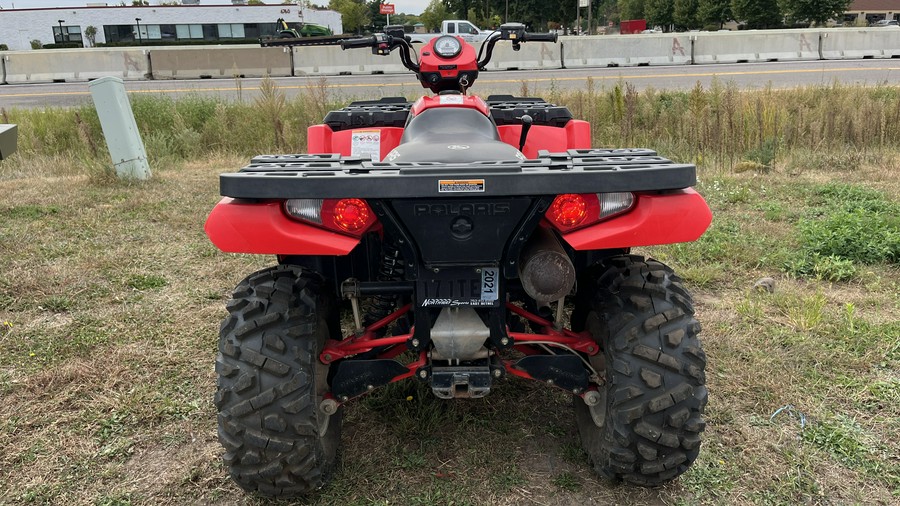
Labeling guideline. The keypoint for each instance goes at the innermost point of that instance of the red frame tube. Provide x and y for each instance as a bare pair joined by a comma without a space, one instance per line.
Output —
394,346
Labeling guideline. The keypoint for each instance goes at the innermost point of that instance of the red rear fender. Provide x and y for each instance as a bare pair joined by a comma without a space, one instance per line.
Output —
263,228
671,218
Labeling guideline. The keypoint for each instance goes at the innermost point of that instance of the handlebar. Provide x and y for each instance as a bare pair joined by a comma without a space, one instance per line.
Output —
385,43
540,37
515,33
358,43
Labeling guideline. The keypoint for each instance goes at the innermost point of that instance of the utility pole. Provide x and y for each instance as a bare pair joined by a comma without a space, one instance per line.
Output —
140,41
590,22
578,11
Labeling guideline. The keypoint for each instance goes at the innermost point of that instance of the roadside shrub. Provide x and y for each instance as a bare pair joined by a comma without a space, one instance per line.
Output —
36,44
223,42
847,225
4,47
860,235
828,268
63,45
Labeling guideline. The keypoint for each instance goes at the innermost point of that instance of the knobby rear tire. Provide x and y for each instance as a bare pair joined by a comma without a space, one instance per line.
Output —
270,383
650,418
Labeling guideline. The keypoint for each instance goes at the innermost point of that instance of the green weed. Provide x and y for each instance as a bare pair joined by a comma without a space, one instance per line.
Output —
567,481
146,281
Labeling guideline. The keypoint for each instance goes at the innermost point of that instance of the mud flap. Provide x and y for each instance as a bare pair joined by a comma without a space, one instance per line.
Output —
564,371
356,377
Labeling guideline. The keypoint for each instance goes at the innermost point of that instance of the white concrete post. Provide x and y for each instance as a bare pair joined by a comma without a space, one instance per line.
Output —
122,135
8,140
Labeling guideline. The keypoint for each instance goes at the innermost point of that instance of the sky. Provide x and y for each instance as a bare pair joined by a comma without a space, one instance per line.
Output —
405,6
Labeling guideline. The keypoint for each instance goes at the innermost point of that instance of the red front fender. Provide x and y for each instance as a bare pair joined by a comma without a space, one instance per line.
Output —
263,228
671,218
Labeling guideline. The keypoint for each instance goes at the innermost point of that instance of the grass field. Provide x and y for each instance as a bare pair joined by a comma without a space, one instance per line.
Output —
110,298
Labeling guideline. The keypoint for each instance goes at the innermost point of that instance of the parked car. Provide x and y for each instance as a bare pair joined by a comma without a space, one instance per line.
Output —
887,22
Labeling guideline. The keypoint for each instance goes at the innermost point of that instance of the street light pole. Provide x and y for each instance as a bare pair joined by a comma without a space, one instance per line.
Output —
60,21
506,17
140,41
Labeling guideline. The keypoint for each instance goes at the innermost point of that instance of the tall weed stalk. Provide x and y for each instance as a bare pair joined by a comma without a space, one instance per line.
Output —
720,125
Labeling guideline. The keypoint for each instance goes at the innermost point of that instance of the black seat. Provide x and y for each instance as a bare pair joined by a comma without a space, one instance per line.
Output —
450,134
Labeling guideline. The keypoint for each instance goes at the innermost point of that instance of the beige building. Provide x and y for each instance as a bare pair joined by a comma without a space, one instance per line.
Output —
869,12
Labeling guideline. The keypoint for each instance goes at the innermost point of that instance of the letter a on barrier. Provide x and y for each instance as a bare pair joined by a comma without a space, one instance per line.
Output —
804,44
676,47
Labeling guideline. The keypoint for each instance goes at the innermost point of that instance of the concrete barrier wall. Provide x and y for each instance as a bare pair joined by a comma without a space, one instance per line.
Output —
755,46
847,43
210,62
73,64
626,50
530,56
332,60
191,62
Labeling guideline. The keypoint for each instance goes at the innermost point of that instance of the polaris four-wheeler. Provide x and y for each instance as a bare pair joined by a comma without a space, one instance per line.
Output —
465,241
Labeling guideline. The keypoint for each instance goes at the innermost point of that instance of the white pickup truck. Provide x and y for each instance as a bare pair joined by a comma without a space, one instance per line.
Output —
469,32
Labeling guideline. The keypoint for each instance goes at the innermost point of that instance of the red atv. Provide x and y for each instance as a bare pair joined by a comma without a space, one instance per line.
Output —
461,237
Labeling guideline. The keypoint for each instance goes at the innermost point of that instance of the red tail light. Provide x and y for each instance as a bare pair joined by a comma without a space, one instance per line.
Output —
572,211
351,215
569,211
348,216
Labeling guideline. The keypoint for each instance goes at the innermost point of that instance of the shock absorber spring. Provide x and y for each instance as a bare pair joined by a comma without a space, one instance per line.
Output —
391,268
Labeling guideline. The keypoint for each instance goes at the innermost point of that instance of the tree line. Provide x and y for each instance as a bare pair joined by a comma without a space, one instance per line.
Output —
542,15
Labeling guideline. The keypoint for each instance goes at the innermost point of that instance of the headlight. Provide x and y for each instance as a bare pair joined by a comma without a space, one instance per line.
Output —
447,46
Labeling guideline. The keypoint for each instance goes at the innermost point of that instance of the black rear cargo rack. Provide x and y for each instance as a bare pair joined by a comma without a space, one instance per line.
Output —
574,171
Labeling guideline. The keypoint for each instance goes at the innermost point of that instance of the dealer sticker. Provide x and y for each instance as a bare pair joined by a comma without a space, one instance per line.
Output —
451,99
461,186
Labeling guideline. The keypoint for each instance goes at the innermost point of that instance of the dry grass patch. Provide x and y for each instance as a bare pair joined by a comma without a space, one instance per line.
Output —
110,298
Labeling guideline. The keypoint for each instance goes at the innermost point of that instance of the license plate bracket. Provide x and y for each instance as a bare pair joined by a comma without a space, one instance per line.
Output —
455,287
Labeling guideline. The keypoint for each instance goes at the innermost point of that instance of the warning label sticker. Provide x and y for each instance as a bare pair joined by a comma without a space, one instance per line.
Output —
366,144
461,186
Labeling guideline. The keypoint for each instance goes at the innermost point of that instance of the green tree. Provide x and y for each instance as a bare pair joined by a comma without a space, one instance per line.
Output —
716,12
757,13
91,34
684,14
659,13
459,8
607,12
434,14
354,14
816,11
631,9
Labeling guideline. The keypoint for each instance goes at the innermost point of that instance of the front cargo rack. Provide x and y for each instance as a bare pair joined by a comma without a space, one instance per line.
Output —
573,171
394,111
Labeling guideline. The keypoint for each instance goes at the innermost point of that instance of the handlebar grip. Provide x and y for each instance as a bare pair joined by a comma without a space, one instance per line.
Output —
357,43
540,37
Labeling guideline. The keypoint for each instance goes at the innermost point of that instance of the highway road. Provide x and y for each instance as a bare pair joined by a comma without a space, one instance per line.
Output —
744,75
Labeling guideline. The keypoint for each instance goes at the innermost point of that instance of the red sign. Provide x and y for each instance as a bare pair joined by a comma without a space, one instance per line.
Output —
386,9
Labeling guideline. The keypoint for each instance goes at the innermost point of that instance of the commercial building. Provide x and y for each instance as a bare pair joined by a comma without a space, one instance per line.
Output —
152,23
869,12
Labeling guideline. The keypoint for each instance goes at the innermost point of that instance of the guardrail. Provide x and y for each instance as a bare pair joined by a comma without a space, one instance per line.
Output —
572,52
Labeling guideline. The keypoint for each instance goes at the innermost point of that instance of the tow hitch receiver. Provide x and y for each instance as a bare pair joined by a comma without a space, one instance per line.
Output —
463,382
